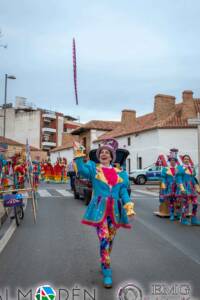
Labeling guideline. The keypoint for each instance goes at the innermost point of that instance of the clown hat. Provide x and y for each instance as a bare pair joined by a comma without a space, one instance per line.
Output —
109,144
173,154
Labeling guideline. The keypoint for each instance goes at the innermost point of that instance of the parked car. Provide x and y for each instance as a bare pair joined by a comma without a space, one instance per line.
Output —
83,187
151,173
141,176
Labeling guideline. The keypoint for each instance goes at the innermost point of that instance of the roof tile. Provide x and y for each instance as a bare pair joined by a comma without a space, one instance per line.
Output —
149,121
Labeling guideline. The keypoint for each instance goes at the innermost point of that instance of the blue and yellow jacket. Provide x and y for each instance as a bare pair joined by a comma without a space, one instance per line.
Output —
186,181
105,198
168,182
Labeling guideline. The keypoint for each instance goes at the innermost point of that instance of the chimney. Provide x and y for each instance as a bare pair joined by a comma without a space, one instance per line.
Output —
164,105
188,110
128,118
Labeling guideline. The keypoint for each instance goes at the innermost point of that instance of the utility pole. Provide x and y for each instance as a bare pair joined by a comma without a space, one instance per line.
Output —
5,102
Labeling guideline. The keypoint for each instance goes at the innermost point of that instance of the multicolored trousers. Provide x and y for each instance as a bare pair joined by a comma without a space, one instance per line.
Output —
174,205
185,206
106,233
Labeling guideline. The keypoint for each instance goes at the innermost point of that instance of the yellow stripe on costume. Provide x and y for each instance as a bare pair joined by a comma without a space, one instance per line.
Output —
182,187
197,187
162,186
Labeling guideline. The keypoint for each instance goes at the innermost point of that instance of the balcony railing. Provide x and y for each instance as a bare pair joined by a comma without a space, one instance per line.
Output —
48,129
49,116
48,144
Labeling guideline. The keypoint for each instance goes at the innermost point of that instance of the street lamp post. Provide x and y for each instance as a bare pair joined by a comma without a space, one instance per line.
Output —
5,102
197,122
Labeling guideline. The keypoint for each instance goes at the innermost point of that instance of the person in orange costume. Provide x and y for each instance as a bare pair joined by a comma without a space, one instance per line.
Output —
19,174
49,172
57,171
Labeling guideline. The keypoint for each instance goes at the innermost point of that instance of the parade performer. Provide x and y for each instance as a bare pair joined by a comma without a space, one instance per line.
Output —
188,189
49,172
36,174
57,170
4,174
168,185
19,173
42,172
110,207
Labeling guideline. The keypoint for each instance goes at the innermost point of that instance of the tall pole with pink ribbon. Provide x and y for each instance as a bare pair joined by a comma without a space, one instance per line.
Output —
75,70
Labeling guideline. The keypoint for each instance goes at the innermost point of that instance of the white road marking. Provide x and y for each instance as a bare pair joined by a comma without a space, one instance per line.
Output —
44,193
11,229
145,193
64,193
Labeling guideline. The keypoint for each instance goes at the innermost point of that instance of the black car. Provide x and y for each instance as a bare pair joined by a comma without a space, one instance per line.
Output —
83,187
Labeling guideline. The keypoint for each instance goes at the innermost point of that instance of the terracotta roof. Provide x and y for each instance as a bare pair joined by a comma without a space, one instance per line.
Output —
32,148
71,126
149,122
15,143
63,147
67,144
9,142
97,124
197,104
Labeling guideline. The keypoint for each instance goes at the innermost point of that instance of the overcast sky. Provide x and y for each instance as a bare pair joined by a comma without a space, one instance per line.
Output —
127,52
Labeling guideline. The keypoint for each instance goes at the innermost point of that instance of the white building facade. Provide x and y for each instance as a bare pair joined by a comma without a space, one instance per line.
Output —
43,129
145,147
167,127
66,153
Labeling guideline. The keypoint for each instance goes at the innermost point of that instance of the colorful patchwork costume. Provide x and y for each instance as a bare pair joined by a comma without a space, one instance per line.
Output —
169,185
110,205
36,173
19,174
188,189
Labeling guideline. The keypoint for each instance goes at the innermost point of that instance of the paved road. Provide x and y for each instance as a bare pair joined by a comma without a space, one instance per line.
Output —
62,252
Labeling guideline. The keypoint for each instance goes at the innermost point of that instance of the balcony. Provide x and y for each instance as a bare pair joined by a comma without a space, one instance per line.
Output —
49,116
46,120
48,129
46,144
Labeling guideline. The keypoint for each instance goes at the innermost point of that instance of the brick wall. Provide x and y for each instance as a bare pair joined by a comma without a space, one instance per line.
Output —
68,137
128,118
188,110
164,105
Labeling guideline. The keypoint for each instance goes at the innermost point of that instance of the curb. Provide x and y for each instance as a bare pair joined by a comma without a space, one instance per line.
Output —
9,232
3,219
7,235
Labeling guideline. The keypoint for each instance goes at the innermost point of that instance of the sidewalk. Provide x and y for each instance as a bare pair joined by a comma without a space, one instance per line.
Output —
3,215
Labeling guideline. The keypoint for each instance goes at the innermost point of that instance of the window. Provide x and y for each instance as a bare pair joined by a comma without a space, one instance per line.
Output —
129,141
139,163
129,165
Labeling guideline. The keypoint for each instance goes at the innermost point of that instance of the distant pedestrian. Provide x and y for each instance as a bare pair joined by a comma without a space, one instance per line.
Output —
71,172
